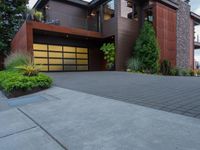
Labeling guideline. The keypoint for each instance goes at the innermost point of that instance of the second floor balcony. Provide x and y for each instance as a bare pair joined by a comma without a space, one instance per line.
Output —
89,23
197,42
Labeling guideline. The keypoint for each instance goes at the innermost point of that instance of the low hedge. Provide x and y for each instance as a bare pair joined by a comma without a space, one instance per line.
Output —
11,82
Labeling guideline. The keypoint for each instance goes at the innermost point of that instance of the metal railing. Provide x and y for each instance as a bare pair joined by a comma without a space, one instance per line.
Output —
197,38
75,22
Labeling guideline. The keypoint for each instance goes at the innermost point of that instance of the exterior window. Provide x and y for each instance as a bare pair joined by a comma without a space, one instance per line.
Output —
127,9
149,15
109,10
94,20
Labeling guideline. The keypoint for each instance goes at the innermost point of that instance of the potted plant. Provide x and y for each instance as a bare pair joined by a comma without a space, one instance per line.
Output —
109,55
38,16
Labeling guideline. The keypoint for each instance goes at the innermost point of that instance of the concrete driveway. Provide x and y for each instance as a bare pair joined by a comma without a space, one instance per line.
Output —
179,95
61,119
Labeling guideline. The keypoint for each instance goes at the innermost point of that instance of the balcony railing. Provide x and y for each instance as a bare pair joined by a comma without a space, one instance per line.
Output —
197,38
74,22
197,41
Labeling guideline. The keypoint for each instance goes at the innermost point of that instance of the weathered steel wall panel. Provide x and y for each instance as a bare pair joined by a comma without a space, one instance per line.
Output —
165,25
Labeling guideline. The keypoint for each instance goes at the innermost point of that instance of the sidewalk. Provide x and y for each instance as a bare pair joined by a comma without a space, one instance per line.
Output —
77,121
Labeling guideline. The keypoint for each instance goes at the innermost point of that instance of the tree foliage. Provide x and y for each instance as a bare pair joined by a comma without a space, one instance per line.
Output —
12,14
146,49
165,67
109,54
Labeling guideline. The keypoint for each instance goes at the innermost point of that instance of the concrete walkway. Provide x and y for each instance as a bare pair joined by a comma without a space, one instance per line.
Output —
60,119
179,95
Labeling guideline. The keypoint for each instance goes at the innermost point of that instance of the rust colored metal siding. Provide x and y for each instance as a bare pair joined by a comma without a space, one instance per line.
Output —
30,31
23,40
20,40
64,30
165,25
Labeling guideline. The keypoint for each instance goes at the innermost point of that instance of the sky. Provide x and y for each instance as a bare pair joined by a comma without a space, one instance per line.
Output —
195,7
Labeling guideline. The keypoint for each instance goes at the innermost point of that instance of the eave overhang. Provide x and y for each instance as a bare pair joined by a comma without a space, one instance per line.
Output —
40,3
169,3
196,45
196,18
63,30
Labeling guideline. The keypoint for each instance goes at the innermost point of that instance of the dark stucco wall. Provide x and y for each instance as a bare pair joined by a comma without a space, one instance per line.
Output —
127,31
68,14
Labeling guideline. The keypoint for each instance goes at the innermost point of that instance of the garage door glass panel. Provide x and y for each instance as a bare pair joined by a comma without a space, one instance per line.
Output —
69,61
55,48
40,47
82,50
55,68
80,68
69,49
40,61
39,54
85,56
44,68
80,62
69,68
69,55
55,55
55,61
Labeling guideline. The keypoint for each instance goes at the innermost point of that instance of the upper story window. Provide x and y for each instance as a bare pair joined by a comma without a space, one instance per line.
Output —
93,20
149,14
109,10
127,9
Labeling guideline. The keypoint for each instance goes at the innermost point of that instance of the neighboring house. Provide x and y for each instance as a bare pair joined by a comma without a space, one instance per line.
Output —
80,28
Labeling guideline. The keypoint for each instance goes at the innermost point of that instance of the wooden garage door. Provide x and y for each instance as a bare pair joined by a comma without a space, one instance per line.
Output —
60,58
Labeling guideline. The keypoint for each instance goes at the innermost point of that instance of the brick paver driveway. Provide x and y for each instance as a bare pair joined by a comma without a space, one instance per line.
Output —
173,94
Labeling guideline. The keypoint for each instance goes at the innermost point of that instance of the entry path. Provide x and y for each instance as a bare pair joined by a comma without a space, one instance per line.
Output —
78,121
179,95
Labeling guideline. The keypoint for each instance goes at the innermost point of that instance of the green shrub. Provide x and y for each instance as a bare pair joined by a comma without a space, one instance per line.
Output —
29,70
165,67
17,59
109,54
174,72
13,81
38,15
192,72
198,72
146,49
183,72
134,64
186,72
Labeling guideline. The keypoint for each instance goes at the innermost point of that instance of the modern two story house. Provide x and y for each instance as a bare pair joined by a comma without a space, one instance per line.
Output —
73,31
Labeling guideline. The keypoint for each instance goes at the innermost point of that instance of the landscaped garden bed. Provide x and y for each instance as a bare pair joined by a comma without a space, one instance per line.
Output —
146,57
22,77
14,84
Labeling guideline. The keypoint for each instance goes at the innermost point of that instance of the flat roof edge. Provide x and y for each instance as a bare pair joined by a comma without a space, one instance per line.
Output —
196,17
170,3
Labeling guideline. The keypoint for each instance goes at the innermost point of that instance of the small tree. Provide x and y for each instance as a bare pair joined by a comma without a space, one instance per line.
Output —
147,50
11,18
109,54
